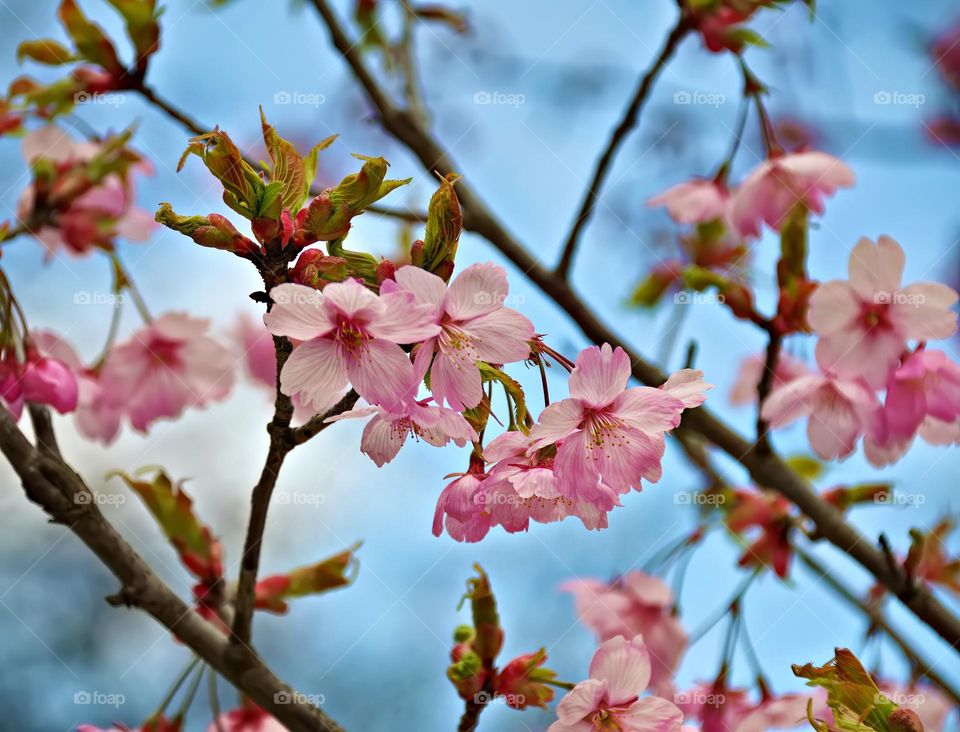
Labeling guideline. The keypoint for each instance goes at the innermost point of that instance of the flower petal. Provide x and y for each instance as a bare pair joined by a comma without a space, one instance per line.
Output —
316,372
478,290
624,665
298,312
600,375
382,374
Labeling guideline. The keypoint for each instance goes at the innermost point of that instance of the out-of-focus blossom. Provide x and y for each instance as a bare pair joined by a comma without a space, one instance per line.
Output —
474,326
864,322
610,698
694,202
248,718
780,184
945,51
634,604
744,390
259,355
930,704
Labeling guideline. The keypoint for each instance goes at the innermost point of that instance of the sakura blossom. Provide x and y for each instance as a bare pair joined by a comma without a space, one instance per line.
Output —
694,202
865,322
460,510
634,604
348,335
248,718
744,390
839,411
610,698
720,709
609,433
473,325
165,367
780,184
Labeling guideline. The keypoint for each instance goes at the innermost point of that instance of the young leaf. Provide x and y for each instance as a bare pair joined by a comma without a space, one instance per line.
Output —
91,41
44,51
336,571
292,171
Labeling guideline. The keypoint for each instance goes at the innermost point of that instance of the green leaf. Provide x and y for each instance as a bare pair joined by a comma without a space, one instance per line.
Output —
243,189
336,571
513,389
444,225
142,28
91,41
289,169
172,508
44,51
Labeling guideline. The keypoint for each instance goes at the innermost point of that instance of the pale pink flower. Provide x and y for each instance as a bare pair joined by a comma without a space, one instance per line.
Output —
634,604
864,323
609,699
839,411
49,381
460,511
167,366
694,202
780,183
349,336
473,325
246,719
744,390
386,433
522,485
259,355
609,433
730,710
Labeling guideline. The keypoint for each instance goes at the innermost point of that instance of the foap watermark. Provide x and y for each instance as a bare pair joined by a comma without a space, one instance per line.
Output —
497,298
899,297
698,498
99,698
900,499
295,697
689,297
88,498
106,99
296,296
511,700
97,297
299,498
699,99
299,98
499,98
900,698
899,99
700,699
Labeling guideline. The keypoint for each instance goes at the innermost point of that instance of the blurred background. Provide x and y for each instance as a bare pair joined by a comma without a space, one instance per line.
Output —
525,102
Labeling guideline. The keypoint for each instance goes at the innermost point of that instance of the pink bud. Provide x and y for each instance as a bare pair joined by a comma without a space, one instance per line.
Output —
48,381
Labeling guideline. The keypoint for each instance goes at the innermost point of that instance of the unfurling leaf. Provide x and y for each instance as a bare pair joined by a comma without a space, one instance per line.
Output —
444,225
488,639
243,189
361,189
142,28
295,173
213,231
513,391
44,51
199,550
336,571
91,41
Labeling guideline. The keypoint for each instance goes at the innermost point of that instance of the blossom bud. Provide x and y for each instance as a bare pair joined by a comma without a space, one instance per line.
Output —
656,284
385,271
322,220
466,672
522,683
213,231
416,253
315,269
486,621
444,225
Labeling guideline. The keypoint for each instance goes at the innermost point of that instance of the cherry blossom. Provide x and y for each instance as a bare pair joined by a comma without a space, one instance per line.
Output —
634,604
730,710
609,433
781,183
610,698
473,326
248,718
865,322
694,202
165,367
48,381
459,510
839,411
744,390
349,335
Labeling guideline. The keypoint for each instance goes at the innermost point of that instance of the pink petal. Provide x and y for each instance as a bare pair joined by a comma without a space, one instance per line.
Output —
455,379
647,409
856,354
500,336
652,714
581,700
876,269
136,225
316,373
353,301
688,386
923,311
791,401
834,307
381,373
601,374
382,440
624,665
298,312
404,321
426,287
478,290
556,422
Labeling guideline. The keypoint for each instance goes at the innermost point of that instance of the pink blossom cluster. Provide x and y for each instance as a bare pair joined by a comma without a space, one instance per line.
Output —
767,195
877,379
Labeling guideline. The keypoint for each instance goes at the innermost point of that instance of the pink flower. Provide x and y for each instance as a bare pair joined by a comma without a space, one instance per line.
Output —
610,698
609,433
49,381
694,202
247,719
839,411
926,384
350,335
779,184
730,710
169,365
634,604
459,510
386,433
522,485
258,352
864,323
744,391
473,326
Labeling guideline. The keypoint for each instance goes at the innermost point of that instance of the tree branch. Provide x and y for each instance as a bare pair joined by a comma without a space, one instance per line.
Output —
631,116
61,492
767,470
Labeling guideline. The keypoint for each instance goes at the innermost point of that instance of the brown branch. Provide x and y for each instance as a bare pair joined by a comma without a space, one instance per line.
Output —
765,385
766,469
176,114
318,423
877,618
631,116
55,487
